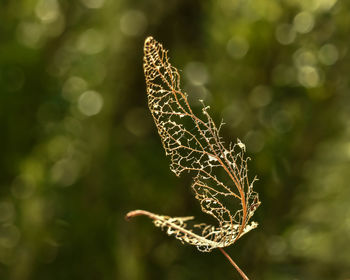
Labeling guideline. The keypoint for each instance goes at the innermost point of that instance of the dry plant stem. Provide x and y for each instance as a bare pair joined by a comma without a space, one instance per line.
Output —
234,264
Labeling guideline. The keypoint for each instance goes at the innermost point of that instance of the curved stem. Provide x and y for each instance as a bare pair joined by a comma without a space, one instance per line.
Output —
234,264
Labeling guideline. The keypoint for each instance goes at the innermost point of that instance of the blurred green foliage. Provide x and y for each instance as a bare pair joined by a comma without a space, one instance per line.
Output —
79,148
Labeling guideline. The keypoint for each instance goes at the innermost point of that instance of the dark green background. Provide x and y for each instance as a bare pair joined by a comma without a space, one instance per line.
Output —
79,148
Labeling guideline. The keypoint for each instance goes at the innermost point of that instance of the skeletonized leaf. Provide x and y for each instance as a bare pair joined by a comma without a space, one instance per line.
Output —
194,145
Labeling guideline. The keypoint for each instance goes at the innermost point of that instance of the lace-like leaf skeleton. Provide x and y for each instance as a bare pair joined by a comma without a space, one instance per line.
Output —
194,145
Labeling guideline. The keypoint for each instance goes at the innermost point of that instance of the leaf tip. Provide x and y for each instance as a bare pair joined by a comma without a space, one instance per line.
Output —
148,43
135,213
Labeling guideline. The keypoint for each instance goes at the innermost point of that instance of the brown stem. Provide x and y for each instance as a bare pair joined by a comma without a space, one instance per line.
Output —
234,264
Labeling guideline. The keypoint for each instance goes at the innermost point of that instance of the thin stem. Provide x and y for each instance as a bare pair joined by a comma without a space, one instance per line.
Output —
234,264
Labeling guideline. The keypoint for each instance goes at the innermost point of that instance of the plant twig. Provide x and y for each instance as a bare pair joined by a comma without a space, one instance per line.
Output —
194,145
234,264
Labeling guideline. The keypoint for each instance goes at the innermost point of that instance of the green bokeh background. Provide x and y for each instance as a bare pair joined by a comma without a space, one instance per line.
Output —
79,148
